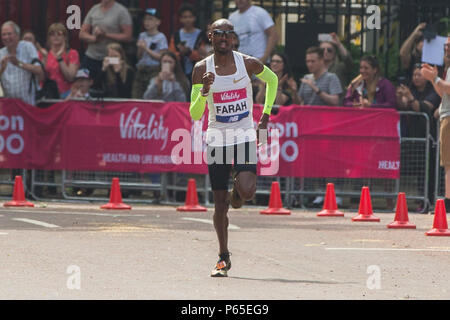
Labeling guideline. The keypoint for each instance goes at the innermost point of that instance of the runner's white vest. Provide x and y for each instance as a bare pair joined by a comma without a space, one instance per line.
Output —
230,104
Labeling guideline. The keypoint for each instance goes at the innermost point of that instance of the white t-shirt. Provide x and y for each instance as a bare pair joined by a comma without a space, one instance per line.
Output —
250,26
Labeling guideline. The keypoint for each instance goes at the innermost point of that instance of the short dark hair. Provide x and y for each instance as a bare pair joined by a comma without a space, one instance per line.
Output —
318,50
186,7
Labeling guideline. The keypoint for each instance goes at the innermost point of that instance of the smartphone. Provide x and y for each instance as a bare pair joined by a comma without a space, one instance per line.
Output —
402,80
113,60
324,37
153,46
165,67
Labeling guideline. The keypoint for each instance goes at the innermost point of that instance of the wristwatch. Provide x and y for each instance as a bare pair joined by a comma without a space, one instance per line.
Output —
60,59
318,91
20,64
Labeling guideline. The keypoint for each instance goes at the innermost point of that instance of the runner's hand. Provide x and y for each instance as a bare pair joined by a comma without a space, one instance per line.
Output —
207,80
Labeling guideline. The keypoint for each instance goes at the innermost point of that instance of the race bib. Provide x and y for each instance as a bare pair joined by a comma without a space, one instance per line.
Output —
231,106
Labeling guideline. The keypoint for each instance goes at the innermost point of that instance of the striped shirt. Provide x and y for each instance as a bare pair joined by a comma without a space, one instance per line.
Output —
327,82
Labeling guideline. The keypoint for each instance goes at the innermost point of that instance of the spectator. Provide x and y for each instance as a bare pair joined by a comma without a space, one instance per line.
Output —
150,44
411,49
61,63
337,59
442,87
255,29
370,89
170,84
29,36
420,96
320,87
287,87
106,22
188,42
117,76
82,85
18,67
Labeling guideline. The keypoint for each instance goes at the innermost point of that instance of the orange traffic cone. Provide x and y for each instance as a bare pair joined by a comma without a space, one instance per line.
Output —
191,204
18,195
330,208
275,204
440,227
115,202
401,220
365,212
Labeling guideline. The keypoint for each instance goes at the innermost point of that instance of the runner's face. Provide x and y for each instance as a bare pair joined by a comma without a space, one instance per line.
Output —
222,38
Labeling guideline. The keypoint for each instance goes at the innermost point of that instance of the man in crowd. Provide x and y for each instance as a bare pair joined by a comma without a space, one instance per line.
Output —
443,89
18,70
105,23
255,29
320,87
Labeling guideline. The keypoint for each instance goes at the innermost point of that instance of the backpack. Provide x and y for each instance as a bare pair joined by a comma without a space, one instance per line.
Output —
49,89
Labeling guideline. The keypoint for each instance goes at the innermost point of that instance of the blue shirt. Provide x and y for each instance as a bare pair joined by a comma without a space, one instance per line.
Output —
157,43
190,39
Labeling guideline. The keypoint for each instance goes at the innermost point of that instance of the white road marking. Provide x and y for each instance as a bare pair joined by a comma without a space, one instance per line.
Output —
230,226
39,223
78,213
388,249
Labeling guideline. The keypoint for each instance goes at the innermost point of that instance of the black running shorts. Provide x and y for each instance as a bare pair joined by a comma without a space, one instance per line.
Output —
221,160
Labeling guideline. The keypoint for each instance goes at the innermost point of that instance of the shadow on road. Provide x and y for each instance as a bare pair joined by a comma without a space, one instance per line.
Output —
291,281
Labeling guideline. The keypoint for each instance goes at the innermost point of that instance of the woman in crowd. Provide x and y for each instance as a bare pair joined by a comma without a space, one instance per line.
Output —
29,36
287,87
420,97
61,63
411,49
370,89
170,84
117,76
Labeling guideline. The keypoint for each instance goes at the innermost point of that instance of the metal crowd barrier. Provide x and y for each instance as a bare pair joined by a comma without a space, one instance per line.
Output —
414,176
7,179
170,188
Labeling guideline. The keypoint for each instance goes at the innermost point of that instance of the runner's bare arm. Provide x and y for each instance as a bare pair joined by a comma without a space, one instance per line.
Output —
201,83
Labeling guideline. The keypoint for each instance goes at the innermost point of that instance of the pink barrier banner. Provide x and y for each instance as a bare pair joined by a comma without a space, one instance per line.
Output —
161,137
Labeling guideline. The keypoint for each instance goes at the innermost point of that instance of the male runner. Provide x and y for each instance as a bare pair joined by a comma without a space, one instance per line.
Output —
224,81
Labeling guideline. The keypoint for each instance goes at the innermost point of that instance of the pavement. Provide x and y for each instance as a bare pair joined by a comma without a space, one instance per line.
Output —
69,251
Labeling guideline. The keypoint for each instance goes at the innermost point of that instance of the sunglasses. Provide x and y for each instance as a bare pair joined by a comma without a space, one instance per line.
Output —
57,33
226,33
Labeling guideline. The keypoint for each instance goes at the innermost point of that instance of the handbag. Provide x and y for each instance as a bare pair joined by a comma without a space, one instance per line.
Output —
49,88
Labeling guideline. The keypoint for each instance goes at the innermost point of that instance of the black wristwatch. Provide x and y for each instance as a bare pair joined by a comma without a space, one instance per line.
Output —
60,59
